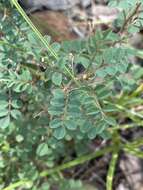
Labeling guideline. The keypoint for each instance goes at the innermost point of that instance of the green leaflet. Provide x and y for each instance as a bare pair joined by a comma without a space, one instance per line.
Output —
92,133
16,114
55,123
57,78
3,112
3,104
70,124
4,122
85,126
59,133
111,121
42,149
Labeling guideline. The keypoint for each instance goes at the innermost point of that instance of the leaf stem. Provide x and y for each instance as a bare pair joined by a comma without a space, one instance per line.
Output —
129,18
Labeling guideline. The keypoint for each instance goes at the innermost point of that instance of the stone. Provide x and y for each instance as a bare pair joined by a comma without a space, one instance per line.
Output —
54,24
85,3
33,5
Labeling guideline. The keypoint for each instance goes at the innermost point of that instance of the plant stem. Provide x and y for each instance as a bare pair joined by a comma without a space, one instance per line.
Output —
127,126
35,30
115,153
135,152
137,91
111,170
133,148
113,148
17,184
135,144
78,161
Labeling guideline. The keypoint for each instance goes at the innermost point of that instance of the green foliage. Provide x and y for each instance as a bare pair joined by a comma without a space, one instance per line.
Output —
130,17
48,108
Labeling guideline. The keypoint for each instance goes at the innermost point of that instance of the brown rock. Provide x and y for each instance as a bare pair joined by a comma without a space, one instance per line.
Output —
55,24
